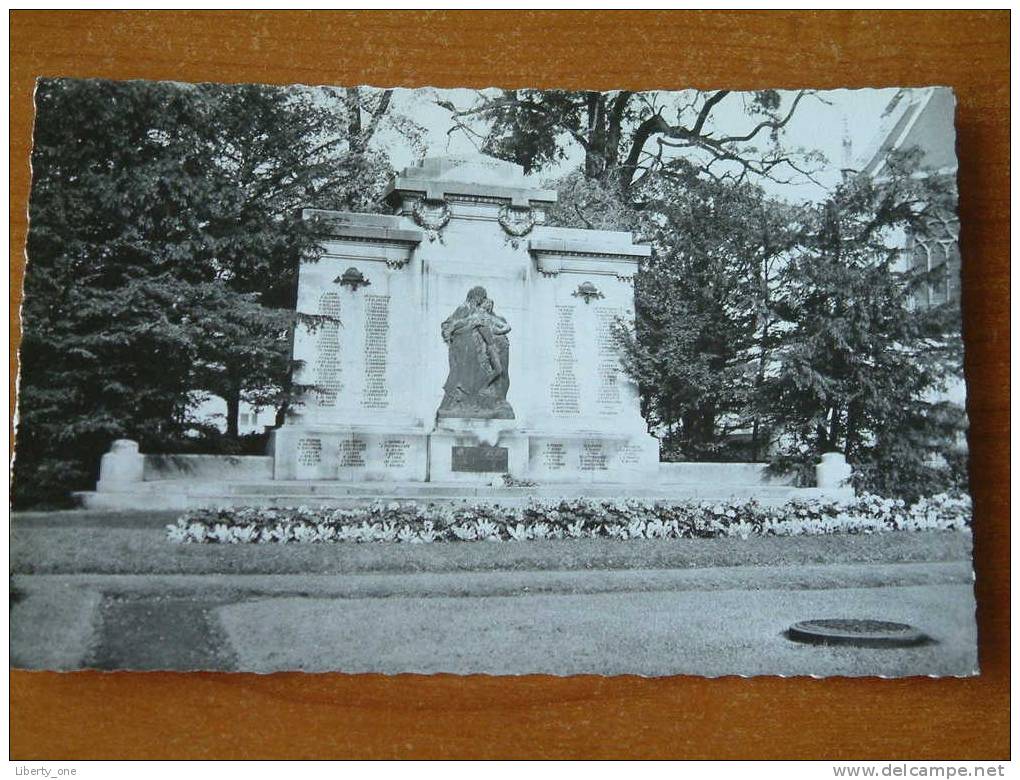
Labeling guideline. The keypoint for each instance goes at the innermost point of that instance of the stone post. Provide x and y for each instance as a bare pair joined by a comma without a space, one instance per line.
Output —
121,466
833,474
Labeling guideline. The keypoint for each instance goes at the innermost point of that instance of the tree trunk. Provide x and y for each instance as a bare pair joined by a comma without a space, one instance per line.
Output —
614,131
283,407
834,429
852,415
652,125
594,156
688,436
233,411
281,414
354,119
759,380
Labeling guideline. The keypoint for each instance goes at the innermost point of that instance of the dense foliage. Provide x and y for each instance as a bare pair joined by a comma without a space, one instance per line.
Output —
706,325
162,255
862,366
764,330
771,331
414,523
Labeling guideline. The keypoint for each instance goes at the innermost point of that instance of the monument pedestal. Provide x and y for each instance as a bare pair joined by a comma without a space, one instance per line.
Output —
479,451
349,453
589,457
469,450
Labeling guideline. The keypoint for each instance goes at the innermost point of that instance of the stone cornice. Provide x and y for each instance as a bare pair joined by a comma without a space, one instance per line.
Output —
554,256
404,186
375,228
565,248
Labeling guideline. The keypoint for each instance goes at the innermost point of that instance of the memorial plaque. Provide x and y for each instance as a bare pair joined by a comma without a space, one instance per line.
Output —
309,452
395,452
566,394
352,452
593,456
555,456
629,454
608,394
377,332
483,458
328,371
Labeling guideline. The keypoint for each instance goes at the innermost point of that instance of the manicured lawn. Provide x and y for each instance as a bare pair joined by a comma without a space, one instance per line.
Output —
109,590
651,633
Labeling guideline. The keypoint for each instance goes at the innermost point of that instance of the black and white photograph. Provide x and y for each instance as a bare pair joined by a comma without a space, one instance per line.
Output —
492,381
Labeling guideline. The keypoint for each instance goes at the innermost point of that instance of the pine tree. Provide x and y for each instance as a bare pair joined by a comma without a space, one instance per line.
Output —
162,256
861,366
705,327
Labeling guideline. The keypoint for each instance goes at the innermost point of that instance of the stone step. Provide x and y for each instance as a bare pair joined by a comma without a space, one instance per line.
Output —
269,493
411,490
182,495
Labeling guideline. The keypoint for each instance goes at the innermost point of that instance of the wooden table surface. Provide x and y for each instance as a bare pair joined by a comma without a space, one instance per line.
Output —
150,715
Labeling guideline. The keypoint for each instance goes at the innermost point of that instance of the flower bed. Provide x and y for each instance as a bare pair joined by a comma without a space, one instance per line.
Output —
414,523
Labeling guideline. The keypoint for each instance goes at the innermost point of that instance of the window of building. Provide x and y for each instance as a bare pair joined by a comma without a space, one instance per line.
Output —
938,251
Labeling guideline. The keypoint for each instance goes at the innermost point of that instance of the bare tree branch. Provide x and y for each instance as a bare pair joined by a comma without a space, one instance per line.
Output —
773,124
706,109
377,114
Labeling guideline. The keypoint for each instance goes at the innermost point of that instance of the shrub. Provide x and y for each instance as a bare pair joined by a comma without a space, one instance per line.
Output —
413,523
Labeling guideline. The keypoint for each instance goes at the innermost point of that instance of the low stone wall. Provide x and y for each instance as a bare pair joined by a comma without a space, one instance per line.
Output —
124,468
721,474
132,480
204,468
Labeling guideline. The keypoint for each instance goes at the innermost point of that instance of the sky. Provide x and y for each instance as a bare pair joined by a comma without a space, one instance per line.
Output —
818,125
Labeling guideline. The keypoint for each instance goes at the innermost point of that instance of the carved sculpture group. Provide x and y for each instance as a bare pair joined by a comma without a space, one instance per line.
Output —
479,350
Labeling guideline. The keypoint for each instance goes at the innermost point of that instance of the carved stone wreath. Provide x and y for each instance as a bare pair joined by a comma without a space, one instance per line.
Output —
352,278
588,292
431,215
516,221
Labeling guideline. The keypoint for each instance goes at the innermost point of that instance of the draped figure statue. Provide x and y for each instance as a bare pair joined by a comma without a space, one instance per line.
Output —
479,352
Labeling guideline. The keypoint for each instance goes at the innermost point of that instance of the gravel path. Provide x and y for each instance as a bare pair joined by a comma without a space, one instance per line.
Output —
400,622
710,633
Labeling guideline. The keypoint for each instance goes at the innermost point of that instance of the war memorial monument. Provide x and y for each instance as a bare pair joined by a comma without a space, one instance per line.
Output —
462,348
454,373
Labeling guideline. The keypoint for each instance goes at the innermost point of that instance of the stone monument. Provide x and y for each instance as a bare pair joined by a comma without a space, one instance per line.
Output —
443,346
461,338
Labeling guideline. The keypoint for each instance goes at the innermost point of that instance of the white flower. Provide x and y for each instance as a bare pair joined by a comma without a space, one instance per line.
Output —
407,535
635,530
488,531
539,531
325,532
517,532
305,533
177,533
244,534
465,532
220,533
427,532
